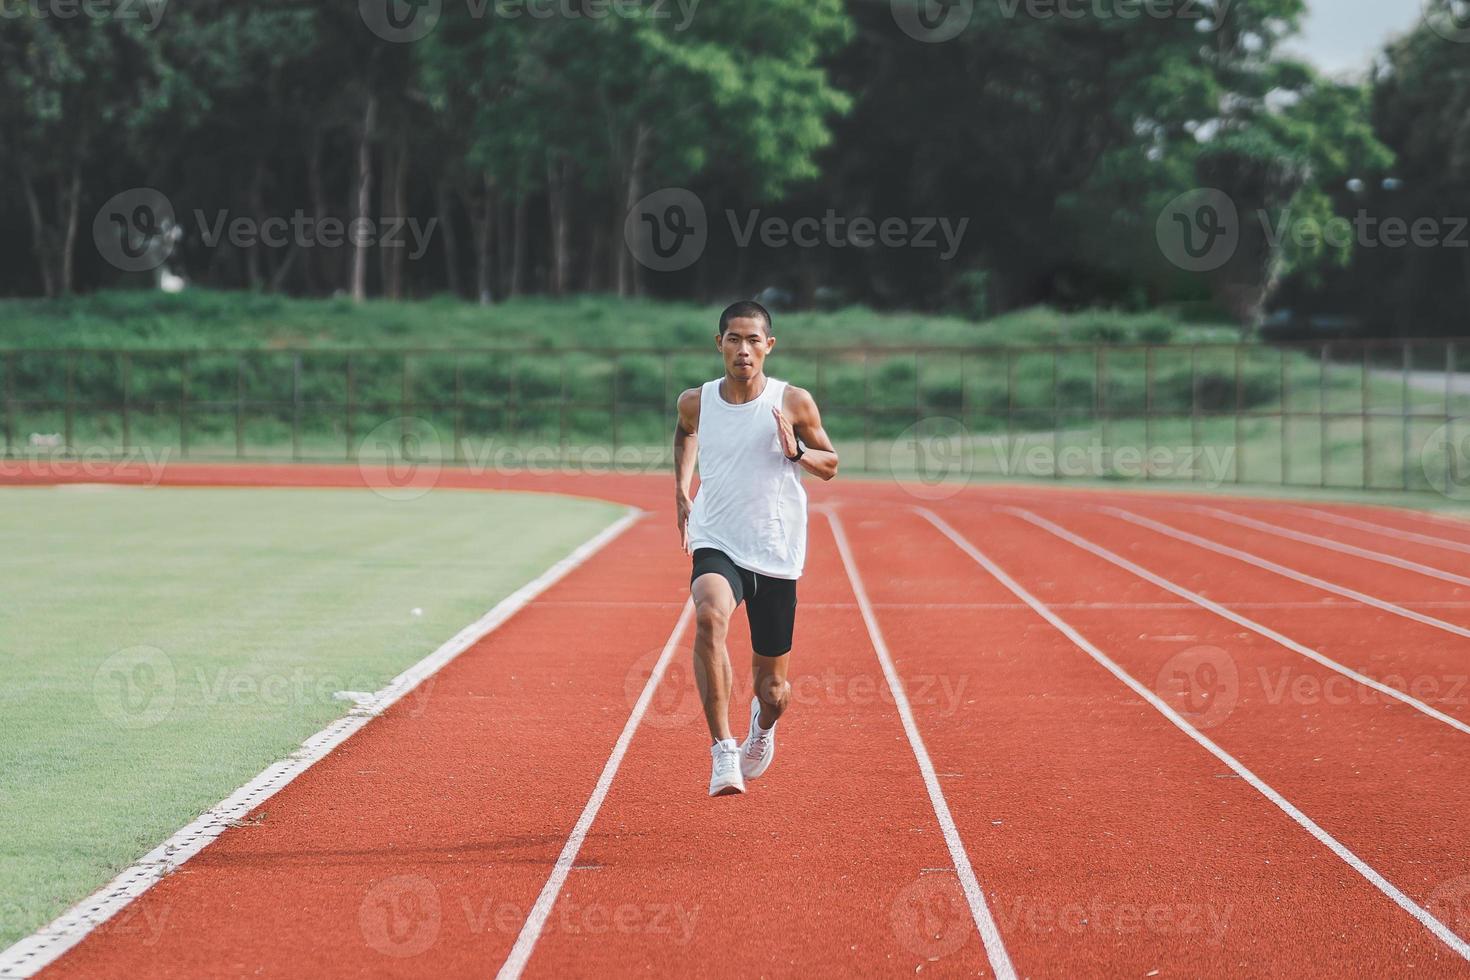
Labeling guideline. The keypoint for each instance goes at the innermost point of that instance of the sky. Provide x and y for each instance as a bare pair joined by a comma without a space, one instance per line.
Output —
1342,36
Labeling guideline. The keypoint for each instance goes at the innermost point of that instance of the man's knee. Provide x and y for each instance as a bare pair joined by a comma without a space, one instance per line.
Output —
773,692
711,618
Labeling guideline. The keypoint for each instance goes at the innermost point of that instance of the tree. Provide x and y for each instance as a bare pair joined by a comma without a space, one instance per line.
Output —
1421,111
1288,168
1055,128
618,104
74,87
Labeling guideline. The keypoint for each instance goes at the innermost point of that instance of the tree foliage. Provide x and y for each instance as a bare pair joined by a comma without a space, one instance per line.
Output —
1057,131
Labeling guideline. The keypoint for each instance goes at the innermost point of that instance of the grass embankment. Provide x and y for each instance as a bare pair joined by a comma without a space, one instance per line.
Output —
323,378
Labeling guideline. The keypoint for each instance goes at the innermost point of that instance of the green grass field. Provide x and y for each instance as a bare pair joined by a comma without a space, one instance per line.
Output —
161,647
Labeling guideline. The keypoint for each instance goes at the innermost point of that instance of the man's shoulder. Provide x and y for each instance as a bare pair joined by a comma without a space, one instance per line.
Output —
688,406
796,396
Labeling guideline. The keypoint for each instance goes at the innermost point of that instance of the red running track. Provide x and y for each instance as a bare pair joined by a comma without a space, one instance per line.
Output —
1107,842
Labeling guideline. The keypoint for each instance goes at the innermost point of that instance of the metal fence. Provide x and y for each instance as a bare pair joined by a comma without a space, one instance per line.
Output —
1360,415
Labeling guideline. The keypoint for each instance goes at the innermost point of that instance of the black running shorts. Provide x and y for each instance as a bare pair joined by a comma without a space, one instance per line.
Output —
770,603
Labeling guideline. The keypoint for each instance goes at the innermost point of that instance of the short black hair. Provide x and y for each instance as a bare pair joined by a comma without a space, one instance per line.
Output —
744,309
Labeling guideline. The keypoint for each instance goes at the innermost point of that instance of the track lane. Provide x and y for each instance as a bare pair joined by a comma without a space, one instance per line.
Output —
1384,780
1443,568
1353,596
1453,530
822,867
1110,844
1317,519
1378,682
1401,585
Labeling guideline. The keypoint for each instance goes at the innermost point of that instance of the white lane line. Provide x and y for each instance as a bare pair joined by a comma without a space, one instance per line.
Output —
995,949
1321,542
1238,619
41,948
1291,573
525,943
1433,517
1385,530
1424,917
671,604
1248,604
1262,604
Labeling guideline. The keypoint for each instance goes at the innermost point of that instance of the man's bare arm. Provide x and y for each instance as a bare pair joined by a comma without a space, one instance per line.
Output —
686,453
798,418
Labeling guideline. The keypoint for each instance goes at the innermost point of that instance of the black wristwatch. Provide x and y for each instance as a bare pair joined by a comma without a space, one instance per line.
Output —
800,452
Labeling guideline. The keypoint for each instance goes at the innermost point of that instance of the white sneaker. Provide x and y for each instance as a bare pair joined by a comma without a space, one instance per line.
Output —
760,746
724,778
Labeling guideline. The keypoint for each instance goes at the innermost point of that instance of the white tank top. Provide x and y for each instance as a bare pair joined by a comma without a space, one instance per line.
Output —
750,502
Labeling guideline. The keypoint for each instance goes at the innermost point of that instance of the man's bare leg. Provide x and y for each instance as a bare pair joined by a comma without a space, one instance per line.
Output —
713,605
771,686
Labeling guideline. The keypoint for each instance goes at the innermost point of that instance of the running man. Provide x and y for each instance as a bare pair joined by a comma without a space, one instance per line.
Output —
746,530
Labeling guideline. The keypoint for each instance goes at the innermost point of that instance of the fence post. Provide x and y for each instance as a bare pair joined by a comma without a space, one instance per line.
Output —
240,406
1056,414
1285,417
1365,423
1407,422
1196,451
184,406
1100,398
617,370
1239,407
1010,408
664,404
513,404
967,451
1322,415
296,406
71,402
918,397
1148,413
127,386
867,411
403,403
1449,418
349,408
561,412
10,403
459,406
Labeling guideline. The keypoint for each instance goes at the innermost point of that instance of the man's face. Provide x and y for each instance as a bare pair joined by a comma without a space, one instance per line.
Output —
745,344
